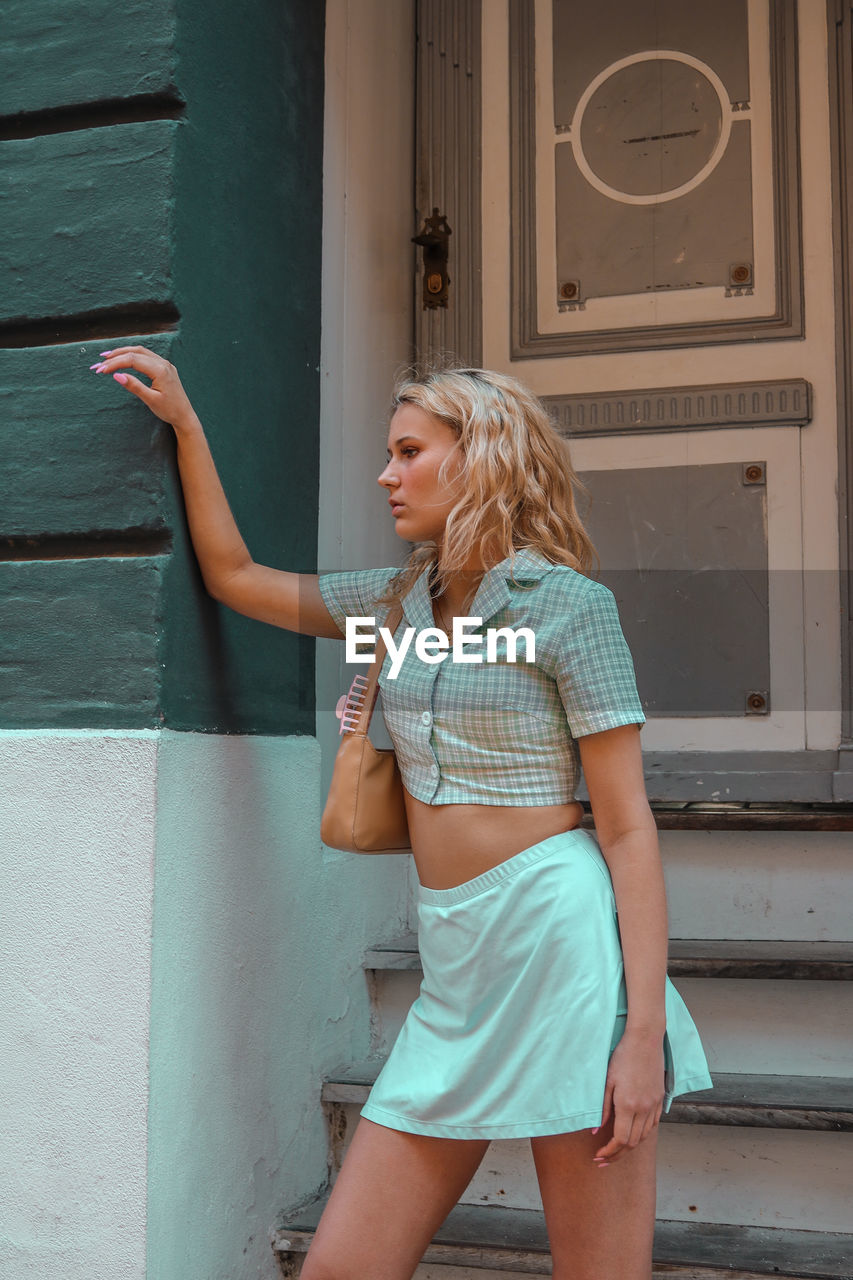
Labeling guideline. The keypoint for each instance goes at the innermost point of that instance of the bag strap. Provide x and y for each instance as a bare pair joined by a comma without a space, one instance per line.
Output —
392,621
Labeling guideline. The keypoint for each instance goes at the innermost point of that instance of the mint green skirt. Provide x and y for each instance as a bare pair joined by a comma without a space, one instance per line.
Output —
521,1005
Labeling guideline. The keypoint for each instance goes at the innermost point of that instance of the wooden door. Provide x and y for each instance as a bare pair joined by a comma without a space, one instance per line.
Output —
622,181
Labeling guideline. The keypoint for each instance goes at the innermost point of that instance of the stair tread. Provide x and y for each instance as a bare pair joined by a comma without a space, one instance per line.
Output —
481,1236
759,1101
693,957
765,958
758,815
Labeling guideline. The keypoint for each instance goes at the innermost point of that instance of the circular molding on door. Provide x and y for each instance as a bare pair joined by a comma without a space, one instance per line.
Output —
618,101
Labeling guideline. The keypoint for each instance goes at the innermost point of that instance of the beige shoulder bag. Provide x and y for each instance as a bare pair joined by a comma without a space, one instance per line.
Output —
365,811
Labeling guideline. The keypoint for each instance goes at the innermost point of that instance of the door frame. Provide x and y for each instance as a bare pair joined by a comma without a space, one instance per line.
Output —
840,40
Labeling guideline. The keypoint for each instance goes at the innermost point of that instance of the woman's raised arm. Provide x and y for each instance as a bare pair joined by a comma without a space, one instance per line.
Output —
289,600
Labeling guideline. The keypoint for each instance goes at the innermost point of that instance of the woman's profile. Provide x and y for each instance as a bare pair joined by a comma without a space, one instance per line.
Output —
545,1011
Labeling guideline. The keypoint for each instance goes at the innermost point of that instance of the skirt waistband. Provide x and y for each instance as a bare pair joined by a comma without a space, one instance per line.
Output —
510,867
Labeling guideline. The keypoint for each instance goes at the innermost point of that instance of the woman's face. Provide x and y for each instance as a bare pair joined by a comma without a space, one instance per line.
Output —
418,443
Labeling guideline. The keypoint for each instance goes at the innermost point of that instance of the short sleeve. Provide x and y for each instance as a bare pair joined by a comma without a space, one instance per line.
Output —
593,667
353,593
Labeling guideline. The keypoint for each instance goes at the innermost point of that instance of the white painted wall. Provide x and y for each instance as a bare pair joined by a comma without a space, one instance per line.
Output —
368,290
181,966
367,318
258,992
76,865
368,269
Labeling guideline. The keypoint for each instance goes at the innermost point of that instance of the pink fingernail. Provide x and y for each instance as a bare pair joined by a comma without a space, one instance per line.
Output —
96,367
120,377
105,353
596,1130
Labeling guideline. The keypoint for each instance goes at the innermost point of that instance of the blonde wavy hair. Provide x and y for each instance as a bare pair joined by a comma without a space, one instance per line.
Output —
517,481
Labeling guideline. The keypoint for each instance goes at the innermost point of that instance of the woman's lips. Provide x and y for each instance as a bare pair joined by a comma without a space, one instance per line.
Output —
395,507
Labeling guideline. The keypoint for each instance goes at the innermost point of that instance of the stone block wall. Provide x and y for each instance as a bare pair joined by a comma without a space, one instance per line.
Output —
161,183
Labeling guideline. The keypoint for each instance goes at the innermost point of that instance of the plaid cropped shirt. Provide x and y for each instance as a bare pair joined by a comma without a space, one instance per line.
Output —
500,732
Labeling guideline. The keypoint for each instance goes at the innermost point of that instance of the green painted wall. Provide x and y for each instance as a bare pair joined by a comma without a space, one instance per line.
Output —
87,219
78,459
247,264
206,227
79,639
81,51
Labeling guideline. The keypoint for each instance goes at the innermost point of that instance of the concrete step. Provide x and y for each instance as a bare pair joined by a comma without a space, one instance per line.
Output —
795,1022
694,957
763,1102
707,1172
717,1162
698,815
479,1241
769,1027
778,884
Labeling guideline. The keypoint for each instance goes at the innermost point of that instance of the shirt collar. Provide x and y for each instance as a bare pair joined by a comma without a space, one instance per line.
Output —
493,592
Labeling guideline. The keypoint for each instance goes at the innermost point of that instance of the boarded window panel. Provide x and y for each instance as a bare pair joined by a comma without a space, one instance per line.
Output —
650,105
77,454
653,127
686,243
86,220
589,37
684,549
79,643
54,54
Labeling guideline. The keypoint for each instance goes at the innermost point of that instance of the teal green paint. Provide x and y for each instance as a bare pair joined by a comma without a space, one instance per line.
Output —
77,454
86,219
219,213
56,54
79,643
248,215
257,991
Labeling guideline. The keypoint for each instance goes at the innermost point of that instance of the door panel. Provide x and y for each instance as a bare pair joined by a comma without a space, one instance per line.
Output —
654,174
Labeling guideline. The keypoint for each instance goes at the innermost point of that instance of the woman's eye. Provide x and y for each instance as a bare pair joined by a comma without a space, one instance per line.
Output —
410,451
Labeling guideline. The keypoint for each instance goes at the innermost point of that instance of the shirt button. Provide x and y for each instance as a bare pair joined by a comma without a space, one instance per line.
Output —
433,770
426,717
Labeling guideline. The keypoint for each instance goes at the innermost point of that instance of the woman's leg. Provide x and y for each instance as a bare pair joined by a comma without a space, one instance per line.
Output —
392,1194
600,1220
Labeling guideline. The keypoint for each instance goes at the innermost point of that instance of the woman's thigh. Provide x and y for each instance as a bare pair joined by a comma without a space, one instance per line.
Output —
600,1220
392,1194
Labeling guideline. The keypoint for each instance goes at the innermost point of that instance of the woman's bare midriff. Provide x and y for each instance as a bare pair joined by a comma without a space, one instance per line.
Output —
452,843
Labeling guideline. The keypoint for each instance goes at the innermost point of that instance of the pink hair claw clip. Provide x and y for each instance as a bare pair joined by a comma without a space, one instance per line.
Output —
350,705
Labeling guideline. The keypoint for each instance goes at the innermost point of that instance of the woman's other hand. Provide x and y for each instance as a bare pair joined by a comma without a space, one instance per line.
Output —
633,1094
625,827
165,396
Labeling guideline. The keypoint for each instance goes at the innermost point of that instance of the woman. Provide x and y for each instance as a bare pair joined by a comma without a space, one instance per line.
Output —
539,1014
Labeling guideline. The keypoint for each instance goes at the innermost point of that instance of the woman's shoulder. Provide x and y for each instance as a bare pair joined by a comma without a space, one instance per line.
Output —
354,592
371,577
563,587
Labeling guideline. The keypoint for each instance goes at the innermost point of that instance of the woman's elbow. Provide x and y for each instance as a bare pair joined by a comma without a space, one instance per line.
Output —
224,588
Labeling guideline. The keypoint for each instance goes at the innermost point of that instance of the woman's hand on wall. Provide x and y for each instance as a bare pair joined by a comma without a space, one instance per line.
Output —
165,396
289,600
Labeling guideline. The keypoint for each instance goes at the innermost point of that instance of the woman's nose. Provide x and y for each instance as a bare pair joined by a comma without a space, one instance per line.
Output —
384,478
